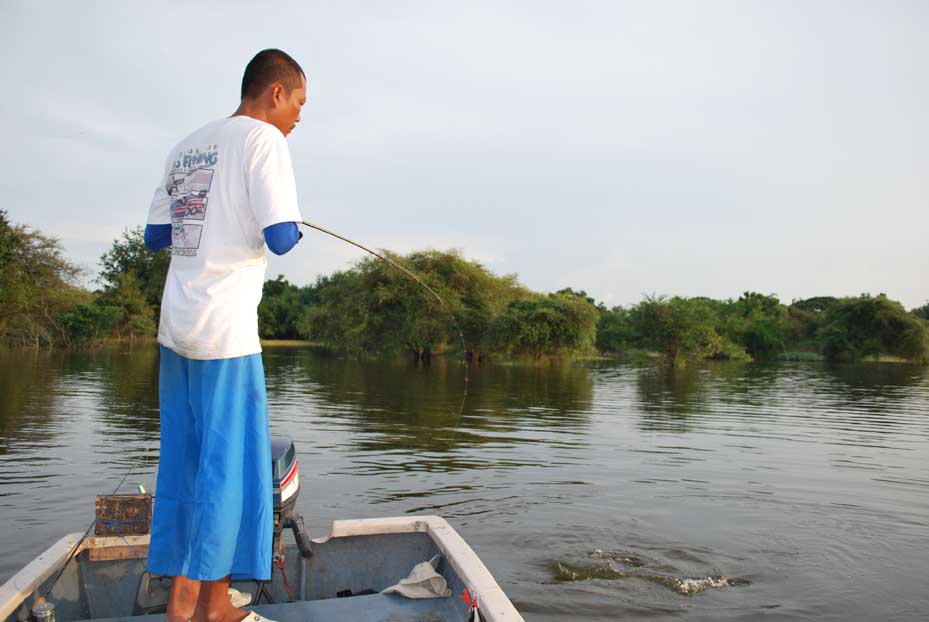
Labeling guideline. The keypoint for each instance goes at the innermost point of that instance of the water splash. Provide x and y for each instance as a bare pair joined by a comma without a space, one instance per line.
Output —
622,557
620,565
694,586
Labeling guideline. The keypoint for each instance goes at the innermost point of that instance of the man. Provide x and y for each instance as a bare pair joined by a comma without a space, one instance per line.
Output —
228,189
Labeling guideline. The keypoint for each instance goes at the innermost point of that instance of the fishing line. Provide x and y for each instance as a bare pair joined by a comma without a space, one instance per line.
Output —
77,547
391,262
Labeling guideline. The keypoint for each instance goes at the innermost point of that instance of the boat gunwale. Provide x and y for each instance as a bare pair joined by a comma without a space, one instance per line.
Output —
25,582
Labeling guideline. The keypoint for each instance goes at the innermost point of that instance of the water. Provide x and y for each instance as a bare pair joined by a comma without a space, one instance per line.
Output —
593,492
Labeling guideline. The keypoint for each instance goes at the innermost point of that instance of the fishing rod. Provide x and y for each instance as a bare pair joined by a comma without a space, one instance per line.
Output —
77,547
391,262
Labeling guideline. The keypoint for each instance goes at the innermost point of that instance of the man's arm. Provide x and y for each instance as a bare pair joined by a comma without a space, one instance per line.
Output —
272,191
157,237
281,237
158,228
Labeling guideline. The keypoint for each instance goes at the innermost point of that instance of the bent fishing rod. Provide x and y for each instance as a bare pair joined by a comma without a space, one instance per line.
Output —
410,274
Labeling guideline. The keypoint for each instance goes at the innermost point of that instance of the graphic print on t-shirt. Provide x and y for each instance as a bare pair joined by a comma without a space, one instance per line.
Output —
188,183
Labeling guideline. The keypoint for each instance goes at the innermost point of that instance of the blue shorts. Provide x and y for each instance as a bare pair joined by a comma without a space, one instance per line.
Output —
214,509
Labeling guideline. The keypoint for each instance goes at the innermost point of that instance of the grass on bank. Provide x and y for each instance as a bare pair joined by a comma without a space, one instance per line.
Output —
276,343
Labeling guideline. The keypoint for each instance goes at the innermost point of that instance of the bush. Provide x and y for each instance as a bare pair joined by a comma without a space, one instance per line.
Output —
615,330
89,322
682,328
549,325
856,328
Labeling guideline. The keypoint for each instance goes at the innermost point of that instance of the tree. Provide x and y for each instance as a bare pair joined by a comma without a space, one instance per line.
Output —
135,316
36,285
759,323
817,304
338,319
616,330
375,308
921,312
282,306
866,325
130,254
580,293
546,325
682,328
85,323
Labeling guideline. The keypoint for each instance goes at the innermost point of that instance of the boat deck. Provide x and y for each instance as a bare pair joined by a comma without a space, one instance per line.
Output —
369,608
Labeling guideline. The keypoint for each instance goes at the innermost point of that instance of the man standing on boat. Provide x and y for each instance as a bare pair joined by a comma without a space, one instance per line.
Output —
227,190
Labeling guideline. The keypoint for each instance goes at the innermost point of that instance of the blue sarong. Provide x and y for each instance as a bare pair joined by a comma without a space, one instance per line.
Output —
214,508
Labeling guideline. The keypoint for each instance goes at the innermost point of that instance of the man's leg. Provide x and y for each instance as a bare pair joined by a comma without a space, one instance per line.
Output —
183,599
214,604
233,530
175,502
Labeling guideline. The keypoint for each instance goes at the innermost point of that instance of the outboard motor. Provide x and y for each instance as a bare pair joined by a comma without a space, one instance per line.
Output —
286,488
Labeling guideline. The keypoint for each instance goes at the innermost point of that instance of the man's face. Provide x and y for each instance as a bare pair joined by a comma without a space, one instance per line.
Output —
286,113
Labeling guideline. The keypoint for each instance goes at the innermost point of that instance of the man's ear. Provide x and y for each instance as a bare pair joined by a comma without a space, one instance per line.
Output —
277,93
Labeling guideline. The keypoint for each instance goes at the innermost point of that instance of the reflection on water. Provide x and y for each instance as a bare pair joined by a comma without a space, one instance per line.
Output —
593,492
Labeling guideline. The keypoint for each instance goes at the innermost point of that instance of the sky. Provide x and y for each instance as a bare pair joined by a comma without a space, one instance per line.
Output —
622,148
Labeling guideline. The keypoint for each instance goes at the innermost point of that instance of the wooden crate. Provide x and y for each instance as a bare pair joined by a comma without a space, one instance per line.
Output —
123,515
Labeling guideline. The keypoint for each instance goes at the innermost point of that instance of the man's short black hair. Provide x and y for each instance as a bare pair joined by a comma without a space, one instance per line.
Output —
268,67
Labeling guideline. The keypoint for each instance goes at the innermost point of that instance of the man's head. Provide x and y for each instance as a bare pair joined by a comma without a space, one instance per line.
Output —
275,85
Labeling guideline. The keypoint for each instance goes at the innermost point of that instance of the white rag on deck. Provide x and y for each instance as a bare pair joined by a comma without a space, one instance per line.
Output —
422,582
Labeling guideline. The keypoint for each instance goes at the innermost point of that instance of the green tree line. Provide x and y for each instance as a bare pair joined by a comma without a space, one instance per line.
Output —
760,327
373,309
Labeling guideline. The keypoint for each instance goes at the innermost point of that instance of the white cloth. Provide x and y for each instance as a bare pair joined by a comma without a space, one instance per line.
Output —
423,582
239,599
222,186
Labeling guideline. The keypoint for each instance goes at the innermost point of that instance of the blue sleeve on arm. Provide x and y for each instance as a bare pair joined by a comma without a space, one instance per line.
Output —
157,237
282,236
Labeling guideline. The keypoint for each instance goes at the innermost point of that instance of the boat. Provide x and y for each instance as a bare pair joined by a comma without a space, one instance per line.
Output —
365,570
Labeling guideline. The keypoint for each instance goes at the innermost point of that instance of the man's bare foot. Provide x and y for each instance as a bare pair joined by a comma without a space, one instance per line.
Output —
228,614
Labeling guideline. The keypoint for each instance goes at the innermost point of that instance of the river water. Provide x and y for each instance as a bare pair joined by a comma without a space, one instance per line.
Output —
593,491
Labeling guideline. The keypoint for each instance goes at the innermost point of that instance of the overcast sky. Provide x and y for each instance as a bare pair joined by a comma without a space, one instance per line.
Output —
691,148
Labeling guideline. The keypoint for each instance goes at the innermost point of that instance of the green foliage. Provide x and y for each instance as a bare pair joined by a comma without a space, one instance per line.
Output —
682,328
579,293
282,306
545,325
337,318
805,320
128,305
374,308
817,304
758,326
616,330
37,284
921,312
135,315
865,326
86,323
41,303
130,254
759,323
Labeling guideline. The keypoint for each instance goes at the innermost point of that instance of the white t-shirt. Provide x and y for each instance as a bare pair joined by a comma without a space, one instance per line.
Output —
222,186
